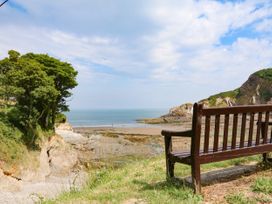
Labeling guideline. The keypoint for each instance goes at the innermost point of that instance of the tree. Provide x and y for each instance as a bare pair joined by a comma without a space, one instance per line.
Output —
40,86
35,98
64,76
7,88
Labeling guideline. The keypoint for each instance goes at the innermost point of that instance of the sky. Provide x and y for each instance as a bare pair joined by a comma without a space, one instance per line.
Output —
144,53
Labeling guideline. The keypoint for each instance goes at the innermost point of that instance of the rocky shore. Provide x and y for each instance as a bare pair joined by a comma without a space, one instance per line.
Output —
63,159
58,170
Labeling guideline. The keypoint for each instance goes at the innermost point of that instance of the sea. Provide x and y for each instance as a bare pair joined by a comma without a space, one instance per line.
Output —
112,117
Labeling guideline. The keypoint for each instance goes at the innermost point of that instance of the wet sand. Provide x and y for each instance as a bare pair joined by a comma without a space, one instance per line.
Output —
115,143
148,130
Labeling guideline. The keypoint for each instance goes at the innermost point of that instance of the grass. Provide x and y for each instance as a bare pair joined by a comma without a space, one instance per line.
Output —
263,185
143,180
239,198
12,148
260,191
231,94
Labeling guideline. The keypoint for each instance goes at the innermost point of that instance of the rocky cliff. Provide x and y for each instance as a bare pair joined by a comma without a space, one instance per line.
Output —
256,90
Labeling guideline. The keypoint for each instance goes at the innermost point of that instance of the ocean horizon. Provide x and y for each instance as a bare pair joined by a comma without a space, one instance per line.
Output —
112,117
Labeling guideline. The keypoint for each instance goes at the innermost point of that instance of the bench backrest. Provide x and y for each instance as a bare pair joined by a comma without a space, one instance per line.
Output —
230,128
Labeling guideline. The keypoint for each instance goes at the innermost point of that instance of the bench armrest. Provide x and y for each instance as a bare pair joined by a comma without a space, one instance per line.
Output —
170,133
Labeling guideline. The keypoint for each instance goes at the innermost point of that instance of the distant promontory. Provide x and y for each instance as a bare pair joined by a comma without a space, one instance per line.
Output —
256,90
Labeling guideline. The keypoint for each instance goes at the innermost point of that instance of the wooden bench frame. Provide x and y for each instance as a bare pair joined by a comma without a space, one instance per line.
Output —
257,142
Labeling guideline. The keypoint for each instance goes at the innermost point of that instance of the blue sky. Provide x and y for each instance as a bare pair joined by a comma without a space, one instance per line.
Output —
144,54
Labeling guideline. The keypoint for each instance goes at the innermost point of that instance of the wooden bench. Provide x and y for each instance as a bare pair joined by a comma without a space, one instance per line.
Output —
220,134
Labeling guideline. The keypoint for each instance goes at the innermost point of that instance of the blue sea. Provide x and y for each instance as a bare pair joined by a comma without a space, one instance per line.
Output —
111,118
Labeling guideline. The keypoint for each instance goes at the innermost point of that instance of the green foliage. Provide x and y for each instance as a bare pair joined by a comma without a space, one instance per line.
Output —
61,118
63,75
13,55
263,185
230,94
39,86
265,74
12,148
265,94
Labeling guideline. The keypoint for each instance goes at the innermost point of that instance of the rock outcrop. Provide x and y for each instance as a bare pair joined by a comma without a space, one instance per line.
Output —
179,112
256,90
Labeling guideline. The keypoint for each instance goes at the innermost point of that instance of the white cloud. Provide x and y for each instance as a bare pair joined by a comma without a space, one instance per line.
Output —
181,43
264,26
70,47
188,46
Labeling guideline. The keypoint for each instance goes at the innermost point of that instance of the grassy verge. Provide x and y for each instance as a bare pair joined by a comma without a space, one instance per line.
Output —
240,198
14,153
142,180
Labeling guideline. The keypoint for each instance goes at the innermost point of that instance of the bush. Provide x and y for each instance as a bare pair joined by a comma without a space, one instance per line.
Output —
60,118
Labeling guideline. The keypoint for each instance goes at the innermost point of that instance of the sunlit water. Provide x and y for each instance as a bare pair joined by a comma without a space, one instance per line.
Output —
111,118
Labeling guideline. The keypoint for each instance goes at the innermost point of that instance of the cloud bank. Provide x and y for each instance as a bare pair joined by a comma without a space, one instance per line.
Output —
145,50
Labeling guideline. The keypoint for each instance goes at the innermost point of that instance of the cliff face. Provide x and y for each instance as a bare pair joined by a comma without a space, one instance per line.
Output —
256,90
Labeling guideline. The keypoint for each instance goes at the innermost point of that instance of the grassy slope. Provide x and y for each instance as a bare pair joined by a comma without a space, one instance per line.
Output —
12,149
231,94
14,154
264,74
143,180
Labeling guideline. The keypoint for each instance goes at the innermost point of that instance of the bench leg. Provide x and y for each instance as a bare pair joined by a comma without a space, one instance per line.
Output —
169,164
169,168
265,157
196,179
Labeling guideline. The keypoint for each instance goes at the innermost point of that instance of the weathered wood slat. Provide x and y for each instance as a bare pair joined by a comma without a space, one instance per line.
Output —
207,133
243,130
251,129
265,128
236,110
181,154
235,153
234,131
216,133
226,132
259,125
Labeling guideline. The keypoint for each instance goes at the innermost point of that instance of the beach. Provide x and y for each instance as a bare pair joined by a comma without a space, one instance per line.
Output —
115,146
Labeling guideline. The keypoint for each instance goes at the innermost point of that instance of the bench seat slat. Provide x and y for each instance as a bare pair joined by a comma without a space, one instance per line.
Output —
231,154
210,151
